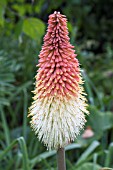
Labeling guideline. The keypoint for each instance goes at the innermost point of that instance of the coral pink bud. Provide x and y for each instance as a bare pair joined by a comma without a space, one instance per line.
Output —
59,106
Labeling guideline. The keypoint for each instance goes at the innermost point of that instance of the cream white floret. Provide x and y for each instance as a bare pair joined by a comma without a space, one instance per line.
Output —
57,122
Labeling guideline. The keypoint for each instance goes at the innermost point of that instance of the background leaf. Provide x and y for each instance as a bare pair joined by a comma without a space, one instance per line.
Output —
100,121
34,28
89,166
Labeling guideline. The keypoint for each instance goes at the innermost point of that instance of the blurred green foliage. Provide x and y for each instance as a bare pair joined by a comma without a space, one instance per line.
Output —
22,26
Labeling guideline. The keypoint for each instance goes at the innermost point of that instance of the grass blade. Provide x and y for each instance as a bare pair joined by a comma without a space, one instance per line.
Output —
5,128
88,151
21,142
109,157
3,153
23,147
25,114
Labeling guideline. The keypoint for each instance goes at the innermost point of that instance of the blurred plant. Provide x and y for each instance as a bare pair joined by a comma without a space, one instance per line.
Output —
7,78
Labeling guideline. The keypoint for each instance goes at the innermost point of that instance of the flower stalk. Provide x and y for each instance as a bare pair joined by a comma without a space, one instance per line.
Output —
61,159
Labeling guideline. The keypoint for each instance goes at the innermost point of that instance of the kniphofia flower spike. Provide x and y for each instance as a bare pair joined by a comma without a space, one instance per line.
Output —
59,99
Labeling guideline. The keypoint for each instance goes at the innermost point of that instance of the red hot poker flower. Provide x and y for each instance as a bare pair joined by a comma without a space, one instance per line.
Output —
59,105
